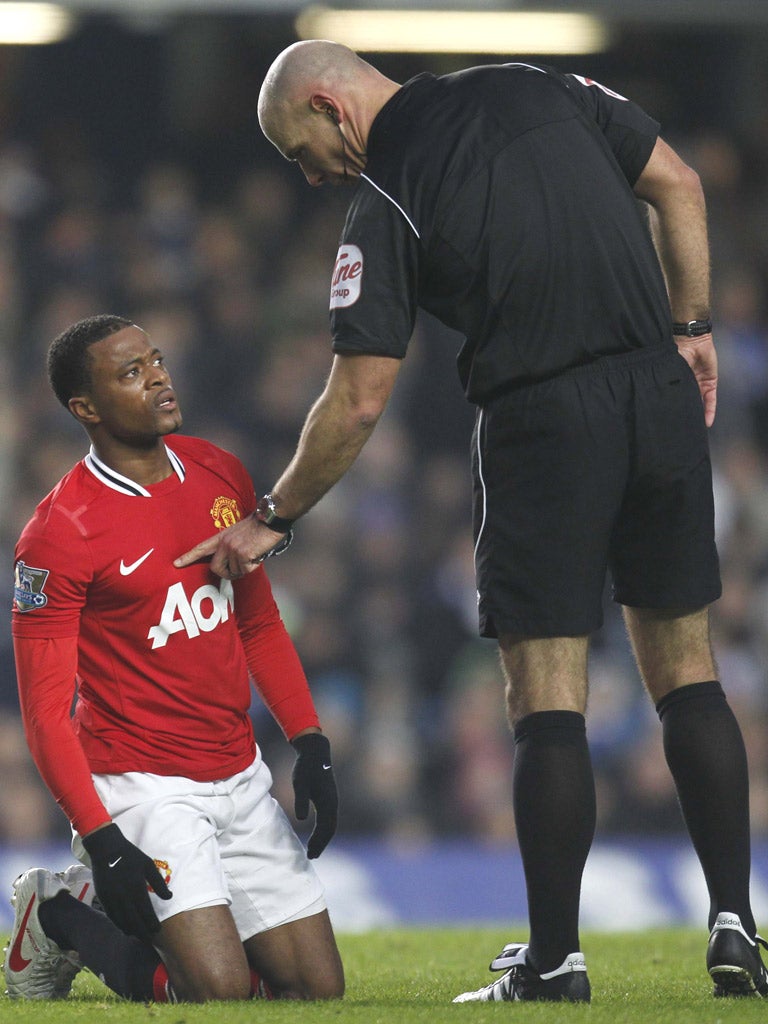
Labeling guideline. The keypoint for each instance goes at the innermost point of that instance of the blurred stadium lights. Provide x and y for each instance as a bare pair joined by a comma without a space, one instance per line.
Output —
27,24
455,31
693,12
675,13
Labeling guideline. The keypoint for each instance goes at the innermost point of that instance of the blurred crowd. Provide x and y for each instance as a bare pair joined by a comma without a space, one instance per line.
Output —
378,589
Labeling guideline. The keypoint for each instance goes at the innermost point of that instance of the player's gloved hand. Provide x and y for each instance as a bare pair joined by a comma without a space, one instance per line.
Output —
313,780
120,876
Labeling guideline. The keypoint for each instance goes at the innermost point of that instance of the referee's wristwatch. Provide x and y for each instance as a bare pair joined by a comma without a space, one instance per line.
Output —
267,514
692,329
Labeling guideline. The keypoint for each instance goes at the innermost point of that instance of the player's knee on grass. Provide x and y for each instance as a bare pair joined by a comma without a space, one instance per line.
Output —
311,981
325,987
210,982
320,990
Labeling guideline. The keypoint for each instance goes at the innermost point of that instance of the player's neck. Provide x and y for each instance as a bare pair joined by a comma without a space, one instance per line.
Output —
144,466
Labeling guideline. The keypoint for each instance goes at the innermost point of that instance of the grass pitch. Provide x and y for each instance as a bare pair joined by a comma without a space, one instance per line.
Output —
654,977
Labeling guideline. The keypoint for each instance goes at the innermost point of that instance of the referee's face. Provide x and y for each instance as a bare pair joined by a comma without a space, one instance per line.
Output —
319,150
131,396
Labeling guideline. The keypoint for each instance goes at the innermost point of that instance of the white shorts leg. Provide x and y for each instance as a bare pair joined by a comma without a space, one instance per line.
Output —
226,842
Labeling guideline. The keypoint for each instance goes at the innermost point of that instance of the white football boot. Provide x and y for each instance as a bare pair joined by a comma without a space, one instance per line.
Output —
35,967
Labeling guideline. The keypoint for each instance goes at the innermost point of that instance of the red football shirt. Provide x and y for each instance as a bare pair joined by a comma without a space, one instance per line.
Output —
162,655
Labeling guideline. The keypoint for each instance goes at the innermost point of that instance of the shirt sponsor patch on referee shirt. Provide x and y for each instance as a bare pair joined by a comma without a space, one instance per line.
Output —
347,277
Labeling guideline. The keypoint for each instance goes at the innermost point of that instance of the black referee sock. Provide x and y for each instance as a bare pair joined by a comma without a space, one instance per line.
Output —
122,962
705,753
554,801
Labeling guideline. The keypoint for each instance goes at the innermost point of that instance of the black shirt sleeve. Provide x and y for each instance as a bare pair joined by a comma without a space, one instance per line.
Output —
629,131
374,283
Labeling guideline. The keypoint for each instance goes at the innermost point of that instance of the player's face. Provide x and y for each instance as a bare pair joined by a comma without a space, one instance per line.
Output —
132,392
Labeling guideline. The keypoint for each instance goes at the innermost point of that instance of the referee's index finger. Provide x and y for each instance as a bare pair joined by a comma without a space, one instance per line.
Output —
205,549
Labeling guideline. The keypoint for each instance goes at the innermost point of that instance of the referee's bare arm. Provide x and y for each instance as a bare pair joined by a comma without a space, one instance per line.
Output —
679,224
334,433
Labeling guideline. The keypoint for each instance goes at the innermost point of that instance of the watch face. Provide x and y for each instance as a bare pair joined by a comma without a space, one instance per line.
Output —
265,513
265,510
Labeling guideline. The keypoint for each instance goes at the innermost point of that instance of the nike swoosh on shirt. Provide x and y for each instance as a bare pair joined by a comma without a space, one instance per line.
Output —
126,570
16,961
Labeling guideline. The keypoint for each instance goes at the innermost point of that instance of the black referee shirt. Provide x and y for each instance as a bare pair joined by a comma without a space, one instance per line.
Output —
500,199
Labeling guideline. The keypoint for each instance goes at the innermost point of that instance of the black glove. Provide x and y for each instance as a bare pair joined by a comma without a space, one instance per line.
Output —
120,876
313,780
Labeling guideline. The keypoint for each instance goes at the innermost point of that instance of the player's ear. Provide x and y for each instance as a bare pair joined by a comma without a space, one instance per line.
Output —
84,411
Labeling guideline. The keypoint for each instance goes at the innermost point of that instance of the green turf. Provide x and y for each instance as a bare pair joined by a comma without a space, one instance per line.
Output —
411,975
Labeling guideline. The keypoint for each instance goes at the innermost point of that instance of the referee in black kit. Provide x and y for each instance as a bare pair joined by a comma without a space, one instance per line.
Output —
503,199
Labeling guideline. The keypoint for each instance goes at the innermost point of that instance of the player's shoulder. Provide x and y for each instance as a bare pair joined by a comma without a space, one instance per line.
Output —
212,458
75,490
62,508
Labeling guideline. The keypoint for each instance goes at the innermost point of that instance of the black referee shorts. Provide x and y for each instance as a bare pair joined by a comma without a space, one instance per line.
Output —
605,467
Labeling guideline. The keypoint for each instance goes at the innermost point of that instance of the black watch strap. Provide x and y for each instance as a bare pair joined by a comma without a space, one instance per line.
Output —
265,513
692,329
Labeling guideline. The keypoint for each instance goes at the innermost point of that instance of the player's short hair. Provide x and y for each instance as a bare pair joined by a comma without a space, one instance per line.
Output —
69,370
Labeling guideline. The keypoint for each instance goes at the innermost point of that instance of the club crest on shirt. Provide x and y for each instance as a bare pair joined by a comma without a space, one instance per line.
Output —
29,587
347,277
225,512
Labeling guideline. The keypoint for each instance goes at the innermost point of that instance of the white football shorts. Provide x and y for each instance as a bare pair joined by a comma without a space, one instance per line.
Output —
226,842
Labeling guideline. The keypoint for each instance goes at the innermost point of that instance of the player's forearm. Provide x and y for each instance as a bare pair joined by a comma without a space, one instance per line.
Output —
279,678
46,674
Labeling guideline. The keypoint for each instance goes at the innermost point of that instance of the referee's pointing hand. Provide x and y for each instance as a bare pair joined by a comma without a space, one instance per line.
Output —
236,551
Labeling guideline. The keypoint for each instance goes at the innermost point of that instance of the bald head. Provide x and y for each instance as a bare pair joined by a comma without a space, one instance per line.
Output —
316,65
313,76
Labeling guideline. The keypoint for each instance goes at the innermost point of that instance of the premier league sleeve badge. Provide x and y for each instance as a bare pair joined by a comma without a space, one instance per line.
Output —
29,587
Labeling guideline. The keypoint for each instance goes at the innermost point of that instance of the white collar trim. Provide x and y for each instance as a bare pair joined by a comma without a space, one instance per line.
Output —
117,482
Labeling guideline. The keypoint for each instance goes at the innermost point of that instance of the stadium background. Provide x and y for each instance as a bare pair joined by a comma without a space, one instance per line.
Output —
134,179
